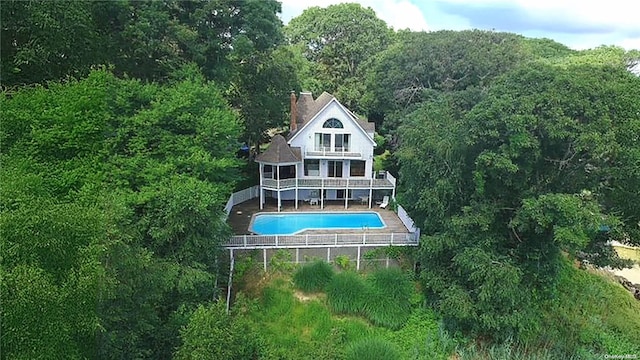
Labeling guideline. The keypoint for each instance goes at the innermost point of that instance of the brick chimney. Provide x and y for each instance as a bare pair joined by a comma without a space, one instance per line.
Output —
294,112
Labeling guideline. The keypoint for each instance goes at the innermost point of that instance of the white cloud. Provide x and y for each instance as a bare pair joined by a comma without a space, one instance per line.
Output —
399,14
621,15
580,24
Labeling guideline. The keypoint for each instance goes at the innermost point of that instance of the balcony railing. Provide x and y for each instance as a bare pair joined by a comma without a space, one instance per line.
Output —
337,152
328,183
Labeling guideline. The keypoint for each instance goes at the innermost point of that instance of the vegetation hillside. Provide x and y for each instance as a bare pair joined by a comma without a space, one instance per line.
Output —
120,122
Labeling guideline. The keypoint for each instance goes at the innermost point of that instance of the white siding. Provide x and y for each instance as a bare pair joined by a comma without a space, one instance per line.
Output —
359,141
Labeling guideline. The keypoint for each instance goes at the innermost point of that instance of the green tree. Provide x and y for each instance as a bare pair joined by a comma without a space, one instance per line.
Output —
47,40
339,39
213,334
503,190
419,64
260,90
112,202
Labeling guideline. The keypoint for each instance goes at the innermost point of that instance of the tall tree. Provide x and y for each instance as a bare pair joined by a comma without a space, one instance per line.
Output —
111,213
339,38
419,64
504,189
47,40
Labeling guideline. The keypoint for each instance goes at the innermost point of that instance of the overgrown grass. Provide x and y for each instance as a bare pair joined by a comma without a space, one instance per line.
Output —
507,350
383,297
372,349
590,316
389,303
313,277
309,329
347,294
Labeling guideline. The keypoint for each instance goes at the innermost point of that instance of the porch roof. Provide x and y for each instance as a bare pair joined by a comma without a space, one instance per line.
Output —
279,152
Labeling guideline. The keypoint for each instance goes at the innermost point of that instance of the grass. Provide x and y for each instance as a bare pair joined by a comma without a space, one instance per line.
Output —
390,295
383,297
313,277
295,329
372,349
347,294
590,315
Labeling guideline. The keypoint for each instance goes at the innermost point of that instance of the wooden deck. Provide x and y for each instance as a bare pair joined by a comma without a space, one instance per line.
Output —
241,214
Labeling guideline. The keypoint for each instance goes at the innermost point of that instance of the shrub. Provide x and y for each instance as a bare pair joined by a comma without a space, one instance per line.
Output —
347,294
389,298
344,262
372,349
313,277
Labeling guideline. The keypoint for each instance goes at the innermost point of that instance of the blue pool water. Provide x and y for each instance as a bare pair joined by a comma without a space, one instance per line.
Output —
292,223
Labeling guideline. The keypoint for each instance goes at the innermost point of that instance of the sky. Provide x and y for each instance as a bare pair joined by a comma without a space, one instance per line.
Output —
579,24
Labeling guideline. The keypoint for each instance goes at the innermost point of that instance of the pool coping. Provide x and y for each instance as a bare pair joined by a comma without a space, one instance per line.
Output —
283,213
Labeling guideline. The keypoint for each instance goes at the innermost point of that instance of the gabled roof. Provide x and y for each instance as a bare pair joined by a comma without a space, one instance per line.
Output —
279,152
307,109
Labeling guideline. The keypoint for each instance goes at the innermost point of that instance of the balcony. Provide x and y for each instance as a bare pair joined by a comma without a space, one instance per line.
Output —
388,182
333,153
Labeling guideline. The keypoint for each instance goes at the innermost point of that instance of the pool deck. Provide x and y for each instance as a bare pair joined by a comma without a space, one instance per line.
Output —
241,214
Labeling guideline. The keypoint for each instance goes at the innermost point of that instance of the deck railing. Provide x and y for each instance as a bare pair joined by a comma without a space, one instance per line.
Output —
321,240
241,196
340,183
408,221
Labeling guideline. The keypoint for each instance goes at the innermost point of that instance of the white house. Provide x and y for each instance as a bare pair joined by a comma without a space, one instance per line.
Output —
328,155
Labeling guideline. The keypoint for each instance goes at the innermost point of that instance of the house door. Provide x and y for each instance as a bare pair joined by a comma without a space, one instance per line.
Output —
335,168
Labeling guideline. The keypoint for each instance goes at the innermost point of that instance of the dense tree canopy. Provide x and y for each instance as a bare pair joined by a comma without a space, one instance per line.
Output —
337,40
121,121
144,39
527,174
112,204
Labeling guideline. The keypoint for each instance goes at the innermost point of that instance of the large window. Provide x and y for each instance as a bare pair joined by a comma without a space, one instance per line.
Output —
334,168
322,142
287,172
342,142
357,168
332,124
312,167
268,172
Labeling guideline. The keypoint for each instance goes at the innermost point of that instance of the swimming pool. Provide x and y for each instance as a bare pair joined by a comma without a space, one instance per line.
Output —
293,223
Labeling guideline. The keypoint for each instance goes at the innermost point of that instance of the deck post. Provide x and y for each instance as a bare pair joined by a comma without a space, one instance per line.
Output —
297,255
245,240
306,239
329,255
387,262
336,239
264,258
231,262
391,238
358,259
279,201
346,196
261,185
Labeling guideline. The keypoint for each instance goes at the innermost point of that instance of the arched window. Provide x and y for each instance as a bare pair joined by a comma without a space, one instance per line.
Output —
333,124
